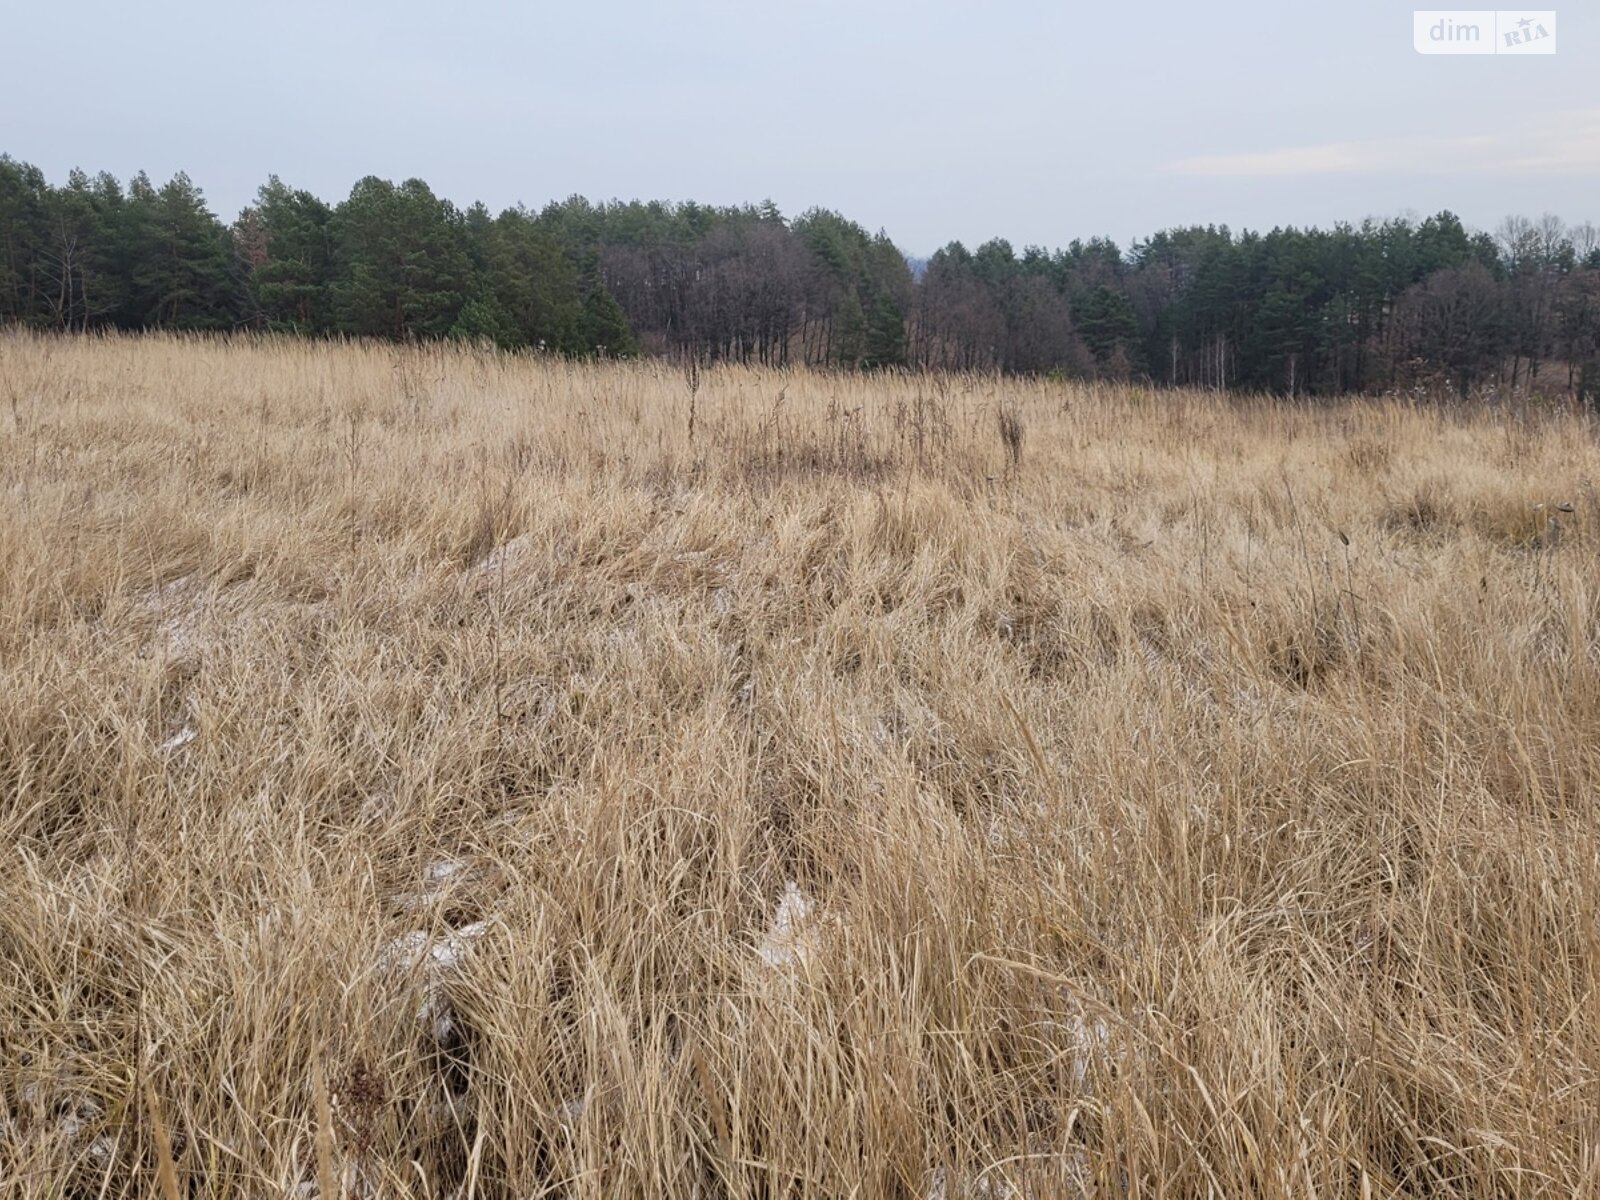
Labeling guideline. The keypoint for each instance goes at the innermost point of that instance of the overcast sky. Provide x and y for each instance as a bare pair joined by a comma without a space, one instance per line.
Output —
1039,122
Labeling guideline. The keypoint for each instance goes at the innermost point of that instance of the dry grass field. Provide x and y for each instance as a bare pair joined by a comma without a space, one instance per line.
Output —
428,773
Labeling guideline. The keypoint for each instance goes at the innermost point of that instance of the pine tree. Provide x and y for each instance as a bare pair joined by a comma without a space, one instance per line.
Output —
884,344
533,285
402,267
23,223
605,328
191,269
850,330
1108,325
293,286
483,320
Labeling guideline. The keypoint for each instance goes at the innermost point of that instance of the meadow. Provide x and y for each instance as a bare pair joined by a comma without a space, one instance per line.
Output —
432,772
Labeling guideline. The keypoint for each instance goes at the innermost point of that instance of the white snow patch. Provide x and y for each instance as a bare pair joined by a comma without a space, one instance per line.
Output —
179,740
406,952
974,1185
449,952
178,606
435,957
436,1014
506,555
786,944
378,805
967,1187
353,1185
1091,1043
438,877
1038,1175
69,1115
101,1149
438,953
440,872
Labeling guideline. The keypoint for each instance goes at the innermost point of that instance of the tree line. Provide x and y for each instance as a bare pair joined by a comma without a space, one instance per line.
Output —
1376,306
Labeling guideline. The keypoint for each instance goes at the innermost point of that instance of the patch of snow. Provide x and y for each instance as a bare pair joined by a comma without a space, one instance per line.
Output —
1037,1175
378,805
353,1185
179,740
440,872
61,1112
786,944
435,957
407,951
178,606
450,950
436,1014
972,1186
101,1149
438,877
1091,1043
436,952
506,555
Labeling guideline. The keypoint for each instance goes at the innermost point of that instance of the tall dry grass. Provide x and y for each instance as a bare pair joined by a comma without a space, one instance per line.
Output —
427,773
